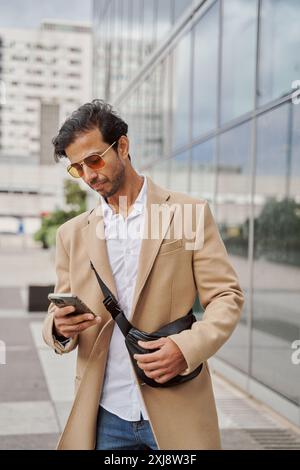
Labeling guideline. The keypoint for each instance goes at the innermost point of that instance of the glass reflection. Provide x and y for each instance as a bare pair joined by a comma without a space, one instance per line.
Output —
293,165
181,92
203,170
163,19
148,29
276,274
206,72
233,213
180,6
158,133
161,172
239,57
147,120
179,171
136,36
279,61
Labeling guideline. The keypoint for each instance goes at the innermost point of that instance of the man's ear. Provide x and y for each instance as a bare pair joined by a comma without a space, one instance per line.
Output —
123,147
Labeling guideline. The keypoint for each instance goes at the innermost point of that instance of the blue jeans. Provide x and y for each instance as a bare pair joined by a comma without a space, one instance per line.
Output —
114,433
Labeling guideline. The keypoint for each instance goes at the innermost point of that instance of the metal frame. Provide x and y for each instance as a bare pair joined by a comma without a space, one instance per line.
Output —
219,95
191,101
252,208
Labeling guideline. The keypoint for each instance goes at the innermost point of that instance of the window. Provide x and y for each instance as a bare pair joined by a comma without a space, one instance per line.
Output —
205,72
233,212
19,58
136,34
203,170
35,85
180,6
276,275
161,172
179,171
73,75
239,57
181,92
148,26
279,62
164,18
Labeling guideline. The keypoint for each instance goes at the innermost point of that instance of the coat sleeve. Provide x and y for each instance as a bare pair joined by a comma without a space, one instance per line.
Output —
62,285
220,296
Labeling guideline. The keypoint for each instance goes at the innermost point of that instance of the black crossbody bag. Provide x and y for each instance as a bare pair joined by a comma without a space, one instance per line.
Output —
133,335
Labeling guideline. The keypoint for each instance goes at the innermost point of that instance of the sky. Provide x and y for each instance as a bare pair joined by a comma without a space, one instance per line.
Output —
29,13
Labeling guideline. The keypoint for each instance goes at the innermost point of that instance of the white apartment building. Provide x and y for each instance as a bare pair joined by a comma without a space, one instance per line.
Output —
45,74
49,66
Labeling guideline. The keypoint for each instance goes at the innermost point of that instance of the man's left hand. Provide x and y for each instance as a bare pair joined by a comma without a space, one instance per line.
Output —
164,364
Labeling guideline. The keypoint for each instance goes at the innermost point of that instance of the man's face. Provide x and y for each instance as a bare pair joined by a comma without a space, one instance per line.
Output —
107,180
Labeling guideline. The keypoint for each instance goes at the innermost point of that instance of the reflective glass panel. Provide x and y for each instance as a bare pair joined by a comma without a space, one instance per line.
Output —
238,57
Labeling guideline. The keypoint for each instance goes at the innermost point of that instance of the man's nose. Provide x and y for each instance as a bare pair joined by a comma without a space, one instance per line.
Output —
89,174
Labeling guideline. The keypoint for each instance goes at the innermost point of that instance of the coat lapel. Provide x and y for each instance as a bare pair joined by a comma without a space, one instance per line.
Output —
156,201
95,245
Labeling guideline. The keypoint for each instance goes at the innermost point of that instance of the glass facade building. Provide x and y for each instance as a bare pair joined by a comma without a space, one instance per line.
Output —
208,90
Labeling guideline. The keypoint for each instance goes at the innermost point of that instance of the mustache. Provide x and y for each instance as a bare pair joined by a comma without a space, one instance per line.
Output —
97,181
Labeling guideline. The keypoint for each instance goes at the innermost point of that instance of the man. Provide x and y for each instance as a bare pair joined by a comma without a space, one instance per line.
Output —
156,277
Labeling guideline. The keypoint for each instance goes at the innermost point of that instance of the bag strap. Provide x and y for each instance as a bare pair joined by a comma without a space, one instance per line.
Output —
111,304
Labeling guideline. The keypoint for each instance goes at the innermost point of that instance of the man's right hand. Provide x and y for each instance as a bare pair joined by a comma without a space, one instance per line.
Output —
68,325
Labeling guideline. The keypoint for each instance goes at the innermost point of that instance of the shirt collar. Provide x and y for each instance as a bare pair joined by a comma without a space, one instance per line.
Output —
141,199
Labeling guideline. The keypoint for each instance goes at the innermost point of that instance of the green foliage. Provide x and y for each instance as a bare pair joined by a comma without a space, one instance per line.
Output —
75,198
278,221
276,233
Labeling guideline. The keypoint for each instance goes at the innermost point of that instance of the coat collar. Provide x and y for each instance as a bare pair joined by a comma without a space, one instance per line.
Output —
95,243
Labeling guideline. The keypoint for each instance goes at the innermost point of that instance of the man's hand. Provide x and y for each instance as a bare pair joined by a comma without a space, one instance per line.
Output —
67,325
164,364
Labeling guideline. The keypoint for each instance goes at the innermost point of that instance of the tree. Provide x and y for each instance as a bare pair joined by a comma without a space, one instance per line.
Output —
277,231
75,198
278,221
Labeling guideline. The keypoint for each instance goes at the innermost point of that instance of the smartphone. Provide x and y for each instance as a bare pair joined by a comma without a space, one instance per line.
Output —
65,300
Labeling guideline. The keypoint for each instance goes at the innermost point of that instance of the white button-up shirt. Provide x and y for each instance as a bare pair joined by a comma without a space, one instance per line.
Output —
121,394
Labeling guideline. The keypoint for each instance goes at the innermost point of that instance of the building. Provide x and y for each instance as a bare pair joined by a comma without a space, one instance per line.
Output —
208,90
51,65
46,74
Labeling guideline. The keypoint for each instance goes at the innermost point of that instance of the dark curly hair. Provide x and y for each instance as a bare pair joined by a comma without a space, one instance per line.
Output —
97,114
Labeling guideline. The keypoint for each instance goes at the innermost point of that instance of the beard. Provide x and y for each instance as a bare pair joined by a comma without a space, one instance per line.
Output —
114,183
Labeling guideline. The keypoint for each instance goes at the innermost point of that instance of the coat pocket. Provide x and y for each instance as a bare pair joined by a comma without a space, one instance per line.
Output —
170,246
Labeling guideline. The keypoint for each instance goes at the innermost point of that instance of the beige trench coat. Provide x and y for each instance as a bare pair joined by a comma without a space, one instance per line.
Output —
169,278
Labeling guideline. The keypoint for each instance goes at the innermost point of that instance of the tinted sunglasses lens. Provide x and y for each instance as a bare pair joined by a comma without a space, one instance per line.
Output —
75,170
94,162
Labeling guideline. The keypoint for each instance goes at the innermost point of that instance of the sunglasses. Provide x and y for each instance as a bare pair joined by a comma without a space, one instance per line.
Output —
94,161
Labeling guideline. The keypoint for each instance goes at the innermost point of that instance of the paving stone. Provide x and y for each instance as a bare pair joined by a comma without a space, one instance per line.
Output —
38,417
29,442
22,377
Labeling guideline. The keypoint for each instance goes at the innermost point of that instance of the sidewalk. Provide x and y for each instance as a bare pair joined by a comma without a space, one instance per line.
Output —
36,391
